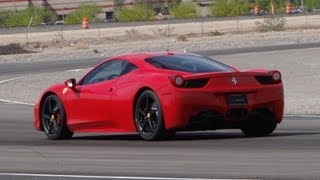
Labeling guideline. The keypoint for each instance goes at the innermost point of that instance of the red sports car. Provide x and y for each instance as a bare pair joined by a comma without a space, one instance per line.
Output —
157,94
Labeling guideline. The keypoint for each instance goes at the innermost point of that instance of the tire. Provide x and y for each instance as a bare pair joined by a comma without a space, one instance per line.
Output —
53,119
258,125
148,116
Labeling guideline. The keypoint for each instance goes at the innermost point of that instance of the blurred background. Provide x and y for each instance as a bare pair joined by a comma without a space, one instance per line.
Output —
65,23
109,13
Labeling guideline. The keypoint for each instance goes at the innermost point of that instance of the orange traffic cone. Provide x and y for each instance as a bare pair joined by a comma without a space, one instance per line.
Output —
85,23
289,8
256,10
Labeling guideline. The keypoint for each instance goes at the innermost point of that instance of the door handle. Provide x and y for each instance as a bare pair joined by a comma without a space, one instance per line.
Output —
110,89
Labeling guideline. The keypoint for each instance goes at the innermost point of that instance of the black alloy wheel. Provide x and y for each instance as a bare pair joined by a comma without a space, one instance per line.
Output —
53,119
148,116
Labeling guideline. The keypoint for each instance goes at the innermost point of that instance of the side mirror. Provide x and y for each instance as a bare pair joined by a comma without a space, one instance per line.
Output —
71,83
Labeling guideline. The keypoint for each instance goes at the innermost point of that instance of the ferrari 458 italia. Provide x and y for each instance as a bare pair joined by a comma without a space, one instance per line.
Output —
158,94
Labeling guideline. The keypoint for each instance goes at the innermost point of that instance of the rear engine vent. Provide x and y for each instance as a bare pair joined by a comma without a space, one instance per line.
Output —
195,83
265,80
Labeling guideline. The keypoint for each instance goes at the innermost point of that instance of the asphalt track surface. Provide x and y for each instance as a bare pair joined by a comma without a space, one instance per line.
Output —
291,152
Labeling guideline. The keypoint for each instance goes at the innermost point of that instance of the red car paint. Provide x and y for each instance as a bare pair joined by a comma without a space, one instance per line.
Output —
108,106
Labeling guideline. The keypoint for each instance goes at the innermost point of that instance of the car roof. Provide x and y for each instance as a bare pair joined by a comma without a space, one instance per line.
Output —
138,58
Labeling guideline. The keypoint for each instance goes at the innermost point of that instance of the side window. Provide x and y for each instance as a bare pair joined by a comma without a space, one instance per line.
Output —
128,68
107,71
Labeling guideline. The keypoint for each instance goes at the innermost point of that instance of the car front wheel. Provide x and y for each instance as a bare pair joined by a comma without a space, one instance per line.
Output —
53,119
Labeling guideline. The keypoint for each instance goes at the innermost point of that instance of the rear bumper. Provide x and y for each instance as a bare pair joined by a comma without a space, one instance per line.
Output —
189,104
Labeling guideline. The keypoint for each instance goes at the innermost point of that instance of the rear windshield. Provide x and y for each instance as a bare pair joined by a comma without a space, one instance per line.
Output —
188,63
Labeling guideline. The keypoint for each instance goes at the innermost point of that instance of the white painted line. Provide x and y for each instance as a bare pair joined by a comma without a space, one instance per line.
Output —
15,102
75,70
302,115
12,79
22,77
100,177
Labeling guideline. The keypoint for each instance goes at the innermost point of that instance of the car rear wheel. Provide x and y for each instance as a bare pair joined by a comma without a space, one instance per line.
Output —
148,116
53,119
259,125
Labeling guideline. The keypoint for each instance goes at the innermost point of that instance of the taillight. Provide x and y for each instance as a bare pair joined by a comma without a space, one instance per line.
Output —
177,80
273,78
276,76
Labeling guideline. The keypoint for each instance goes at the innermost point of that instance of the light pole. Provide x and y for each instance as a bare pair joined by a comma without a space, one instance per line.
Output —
62,3
272,7
302,5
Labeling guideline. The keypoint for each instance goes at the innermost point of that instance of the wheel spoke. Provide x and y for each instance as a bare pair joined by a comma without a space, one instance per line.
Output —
150,124
50,127
147,102
143,124
55,109
56,128
46,116
152,112
53,127
54,123
50,106
141,112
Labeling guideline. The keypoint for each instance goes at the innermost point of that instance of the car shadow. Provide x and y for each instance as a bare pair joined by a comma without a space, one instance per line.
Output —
189,136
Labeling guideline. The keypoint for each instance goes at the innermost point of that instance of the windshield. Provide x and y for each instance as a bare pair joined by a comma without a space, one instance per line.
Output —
188,63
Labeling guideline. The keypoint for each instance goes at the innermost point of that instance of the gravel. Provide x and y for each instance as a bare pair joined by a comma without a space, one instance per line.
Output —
58,51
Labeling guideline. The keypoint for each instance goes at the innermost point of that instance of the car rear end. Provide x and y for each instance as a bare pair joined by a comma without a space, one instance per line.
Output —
226,100
206,94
